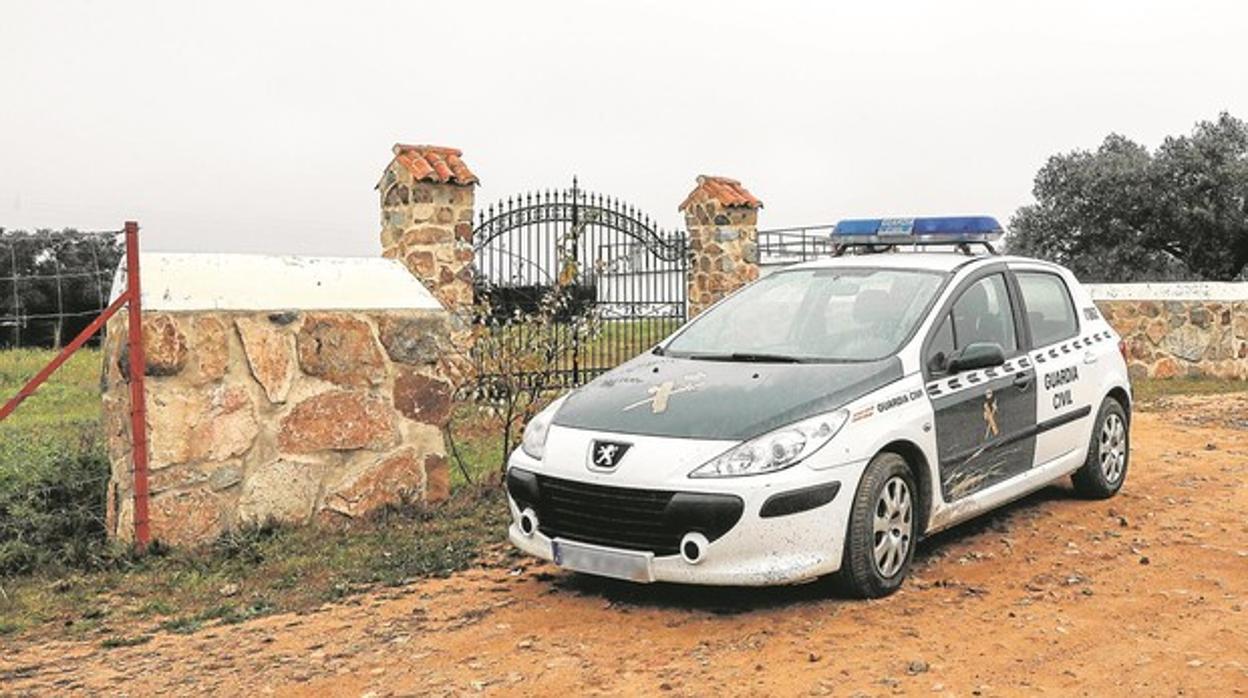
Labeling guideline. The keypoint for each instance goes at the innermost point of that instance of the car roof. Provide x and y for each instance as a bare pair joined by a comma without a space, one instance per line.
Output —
930,261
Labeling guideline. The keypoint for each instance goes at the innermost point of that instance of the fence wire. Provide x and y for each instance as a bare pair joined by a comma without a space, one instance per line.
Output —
53,283
54,468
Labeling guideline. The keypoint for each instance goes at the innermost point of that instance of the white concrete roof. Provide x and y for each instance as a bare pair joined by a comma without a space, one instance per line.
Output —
1171,291
175,281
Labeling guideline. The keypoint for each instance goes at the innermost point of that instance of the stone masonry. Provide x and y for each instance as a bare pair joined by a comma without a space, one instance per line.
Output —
1182,338
722,220
289,416
426,219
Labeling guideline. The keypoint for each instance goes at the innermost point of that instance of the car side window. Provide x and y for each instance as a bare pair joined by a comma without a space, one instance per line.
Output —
1050,310
983,314
940,346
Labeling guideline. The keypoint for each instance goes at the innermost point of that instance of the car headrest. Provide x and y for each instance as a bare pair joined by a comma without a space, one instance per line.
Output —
873,305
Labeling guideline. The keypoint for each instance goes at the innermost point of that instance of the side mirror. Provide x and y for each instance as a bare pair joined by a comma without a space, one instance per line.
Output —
977,355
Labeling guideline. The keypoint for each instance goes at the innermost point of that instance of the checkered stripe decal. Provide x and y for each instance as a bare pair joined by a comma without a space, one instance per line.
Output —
970,379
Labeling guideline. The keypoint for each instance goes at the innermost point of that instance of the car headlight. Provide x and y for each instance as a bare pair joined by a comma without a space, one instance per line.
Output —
533,443
775,450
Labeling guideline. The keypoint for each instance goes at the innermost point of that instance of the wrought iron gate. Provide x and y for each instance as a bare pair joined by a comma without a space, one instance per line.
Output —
628,270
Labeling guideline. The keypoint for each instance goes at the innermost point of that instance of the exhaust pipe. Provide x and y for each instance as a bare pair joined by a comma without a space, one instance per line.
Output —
528,522
693,547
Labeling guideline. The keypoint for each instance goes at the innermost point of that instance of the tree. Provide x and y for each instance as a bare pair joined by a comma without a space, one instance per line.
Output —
1201,185
1122,214
53,283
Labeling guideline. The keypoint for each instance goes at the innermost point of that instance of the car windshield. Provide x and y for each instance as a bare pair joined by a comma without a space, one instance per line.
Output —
850,314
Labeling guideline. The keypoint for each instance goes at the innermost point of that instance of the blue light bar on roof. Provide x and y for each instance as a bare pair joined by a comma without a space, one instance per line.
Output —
931,230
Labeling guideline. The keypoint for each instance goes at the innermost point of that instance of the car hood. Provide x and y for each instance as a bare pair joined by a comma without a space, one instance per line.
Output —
686,398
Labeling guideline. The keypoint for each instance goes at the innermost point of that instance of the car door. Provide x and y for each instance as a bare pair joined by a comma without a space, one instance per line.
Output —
984,418
1063,364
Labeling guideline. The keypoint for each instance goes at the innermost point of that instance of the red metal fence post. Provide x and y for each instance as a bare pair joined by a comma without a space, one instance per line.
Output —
138,397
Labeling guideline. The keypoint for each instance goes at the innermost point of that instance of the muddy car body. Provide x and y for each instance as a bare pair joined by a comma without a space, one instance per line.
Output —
824,418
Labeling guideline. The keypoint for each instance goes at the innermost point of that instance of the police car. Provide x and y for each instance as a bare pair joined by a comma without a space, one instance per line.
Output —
826,417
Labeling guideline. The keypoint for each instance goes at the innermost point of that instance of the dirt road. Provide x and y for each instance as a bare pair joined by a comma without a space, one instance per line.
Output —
1144,594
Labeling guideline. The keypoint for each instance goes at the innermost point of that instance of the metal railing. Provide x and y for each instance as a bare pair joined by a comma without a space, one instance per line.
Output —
791,245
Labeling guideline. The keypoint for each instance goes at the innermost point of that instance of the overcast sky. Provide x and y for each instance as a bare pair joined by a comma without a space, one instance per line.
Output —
263,126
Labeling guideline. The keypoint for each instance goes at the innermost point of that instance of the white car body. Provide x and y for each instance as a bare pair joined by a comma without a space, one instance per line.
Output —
1069,380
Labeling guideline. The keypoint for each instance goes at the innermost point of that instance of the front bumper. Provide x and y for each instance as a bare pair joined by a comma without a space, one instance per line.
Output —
767,544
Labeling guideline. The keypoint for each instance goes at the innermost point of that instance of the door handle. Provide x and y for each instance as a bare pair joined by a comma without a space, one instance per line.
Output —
1022,381
1089,357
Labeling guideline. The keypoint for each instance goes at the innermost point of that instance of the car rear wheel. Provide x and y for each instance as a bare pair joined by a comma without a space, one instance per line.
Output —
880,540
1105,468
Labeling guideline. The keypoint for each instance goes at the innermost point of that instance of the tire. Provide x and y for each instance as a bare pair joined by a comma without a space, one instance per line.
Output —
1109,453
871,565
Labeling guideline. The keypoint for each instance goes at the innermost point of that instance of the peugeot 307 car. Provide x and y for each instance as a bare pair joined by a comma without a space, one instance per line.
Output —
826,417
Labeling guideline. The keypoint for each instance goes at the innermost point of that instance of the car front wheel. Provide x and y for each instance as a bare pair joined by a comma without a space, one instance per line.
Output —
882,529
1105,467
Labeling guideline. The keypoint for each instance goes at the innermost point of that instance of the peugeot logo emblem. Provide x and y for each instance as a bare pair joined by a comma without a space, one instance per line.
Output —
606,455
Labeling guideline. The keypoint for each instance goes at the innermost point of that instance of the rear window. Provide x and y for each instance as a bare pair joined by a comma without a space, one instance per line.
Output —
1050,311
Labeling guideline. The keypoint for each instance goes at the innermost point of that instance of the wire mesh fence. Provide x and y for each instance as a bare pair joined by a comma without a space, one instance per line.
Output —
54,283
56,294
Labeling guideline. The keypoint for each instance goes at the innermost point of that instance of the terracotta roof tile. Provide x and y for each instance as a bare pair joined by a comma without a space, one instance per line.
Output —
726,192
431,163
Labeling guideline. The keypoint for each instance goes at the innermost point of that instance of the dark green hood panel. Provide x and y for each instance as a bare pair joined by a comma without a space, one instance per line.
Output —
664,396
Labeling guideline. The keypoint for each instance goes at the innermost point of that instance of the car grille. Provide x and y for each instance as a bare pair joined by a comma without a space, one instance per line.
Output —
617,517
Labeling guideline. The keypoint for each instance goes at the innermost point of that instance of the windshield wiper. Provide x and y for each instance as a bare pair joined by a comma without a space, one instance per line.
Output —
750,357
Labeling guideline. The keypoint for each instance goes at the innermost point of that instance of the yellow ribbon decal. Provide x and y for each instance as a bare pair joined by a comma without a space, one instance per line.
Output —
990,416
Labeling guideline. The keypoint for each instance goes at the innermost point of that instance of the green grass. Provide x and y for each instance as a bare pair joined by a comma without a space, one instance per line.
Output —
617,341
621,340
478,446
1150,389
71,395
53,466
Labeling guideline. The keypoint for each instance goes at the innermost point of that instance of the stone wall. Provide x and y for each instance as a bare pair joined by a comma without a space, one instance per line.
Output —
721,217
298,416
1180,330
426,219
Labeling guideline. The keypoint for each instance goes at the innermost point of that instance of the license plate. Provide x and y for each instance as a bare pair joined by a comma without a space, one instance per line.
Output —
605,562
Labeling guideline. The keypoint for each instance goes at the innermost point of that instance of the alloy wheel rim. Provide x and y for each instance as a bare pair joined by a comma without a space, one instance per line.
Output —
1113,448
893,526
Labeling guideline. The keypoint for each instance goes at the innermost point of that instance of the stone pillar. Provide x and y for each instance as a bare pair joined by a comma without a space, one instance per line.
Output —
426,219
722,220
